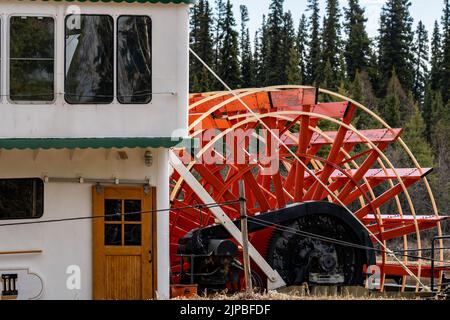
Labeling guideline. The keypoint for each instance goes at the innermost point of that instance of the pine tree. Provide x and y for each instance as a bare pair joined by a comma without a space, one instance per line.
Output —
228,68
193,22
395,43
201,42
314,43
361,91
293,75
427,110
392,105
436,58
439,115
288,57
274,55
257,59
219,16
372,70
261,53
414,137
302,42
357,45
445,66
247,65
328,78
420,62
331,45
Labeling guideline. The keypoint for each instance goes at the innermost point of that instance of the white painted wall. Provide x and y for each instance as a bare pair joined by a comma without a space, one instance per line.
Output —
159,118
70,243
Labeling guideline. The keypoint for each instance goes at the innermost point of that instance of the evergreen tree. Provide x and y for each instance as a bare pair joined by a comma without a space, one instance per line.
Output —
261,53
396,103
228,68
357,45
302,42
445,66
395,43
372,70
436,58
427,110
289,58
314,42
193,35
274,55
414,137
247,66
219,16
341,75
328,78
361,91
420,62
293,75
257,59
439,115
331,45
201,42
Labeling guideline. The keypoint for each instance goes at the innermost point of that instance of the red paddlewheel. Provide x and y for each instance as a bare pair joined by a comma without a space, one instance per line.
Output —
352,163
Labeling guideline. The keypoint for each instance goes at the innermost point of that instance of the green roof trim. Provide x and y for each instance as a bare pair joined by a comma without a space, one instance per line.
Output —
133,1
87,143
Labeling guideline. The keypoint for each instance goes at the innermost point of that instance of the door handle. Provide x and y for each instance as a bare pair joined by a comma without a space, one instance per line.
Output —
151,256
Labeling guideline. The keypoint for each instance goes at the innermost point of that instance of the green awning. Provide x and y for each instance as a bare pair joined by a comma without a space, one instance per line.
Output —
133,1
87,143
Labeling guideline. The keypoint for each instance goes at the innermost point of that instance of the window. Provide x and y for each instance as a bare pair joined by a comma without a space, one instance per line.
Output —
89,59
32,46
134,59
21,198
123,222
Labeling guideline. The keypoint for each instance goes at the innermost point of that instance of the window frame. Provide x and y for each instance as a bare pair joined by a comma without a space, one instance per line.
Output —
41,213
7,59
113,100
116,93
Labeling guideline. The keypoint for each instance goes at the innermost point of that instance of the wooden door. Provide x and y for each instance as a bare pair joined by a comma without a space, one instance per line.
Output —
122,243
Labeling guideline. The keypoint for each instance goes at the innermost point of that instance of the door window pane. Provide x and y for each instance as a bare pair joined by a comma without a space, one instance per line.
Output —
134,59
113,210
132,210
32,58
113,234
133,234
89,59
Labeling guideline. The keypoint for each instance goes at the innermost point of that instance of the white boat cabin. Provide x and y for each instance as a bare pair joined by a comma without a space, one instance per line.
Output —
92,96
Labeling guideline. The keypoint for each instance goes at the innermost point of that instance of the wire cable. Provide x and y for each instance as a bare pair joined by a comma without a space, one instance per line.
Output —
211,205
331,240
226,203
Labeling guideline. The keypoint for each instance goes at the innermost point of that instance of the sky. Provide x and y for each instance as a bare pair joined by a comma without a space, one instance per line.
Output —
426,10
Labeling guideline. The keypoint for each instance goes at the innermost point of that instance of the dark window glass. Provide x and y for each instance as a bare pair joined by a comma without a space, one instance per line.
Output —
113,234
21,198
113,210
134,59
89,59
133,234
32,58
132,210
